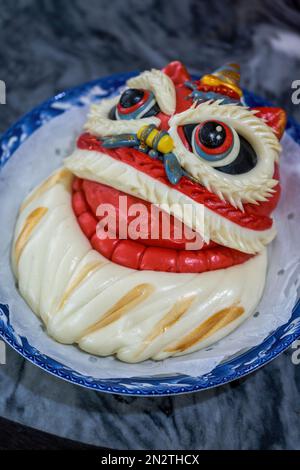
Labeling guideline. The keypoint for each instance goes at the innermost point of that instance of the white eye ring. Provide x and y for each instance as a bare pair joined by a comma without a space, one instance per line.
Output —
139,113
226,160
255,185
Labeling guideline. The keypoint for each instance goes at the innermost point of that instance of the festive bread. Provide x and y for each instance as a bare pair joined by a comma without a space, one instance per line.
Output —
91,254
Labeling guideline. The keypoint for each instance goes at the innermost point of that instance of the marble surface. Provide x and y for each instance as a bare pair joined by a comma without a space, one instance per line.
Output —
47,46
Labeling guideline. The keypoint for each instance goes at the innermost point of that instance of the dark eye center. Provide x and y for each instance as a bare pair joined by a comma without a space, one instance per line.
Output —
131,97
212,134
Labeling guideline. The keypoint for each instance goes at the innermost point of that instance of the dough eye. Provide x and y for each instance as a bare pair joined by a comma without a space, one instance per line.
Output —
221,147
135,104
212,140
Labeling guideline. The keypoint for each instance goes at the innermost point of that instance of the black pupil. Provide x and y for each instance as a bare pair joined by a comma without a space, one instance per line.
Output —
212,134
131,97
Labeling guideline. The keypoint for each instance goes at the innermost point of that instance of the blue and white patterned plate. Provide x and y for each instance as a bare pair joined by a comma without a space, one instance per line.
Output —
227,371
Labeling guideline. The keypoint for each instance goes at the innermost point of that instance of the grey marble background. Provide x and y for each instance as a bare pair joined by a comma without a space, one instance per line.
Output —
49,45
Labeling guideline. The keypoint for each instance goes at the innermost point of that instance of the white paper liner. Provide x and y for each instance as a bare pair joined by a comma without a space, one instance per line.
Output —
40,155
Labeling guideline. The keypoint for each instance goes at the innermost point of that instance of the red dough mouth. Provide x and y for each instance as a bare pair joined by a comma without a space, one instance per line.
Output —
168,255
156,254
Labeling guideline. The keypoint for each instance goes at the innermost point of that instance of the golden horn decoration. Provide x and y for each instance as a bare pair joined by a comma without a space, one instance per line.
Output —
228,76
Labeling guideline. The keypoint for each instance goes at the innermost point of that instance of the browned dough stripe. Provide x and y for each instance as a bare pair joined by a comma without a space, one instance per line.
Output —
30,223
63,176
134,297
84,273
211,325
173,315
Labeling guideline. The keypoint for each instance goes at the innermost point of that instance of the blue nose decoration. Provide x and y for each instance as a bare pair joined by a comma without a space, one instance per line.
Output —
173,169
121,140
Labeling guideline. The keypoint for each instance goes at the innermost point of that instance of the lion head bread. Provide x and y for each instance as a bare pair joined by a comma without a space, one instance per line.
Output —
168,142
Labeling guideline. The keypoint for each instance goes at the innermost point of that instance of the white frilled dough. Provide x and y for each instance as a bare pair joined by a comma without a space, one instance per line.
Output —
109,309
99,167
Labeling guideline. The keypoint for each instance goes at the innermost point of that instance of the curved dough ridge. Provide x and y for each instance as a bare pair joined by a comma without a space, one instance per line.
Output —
110,309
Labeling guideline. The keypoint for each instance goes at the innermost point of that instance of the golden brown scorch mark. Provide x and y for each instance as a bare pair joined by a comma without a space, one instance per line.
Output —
208,327
30,223
180,307
135,296
62,176
82,275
